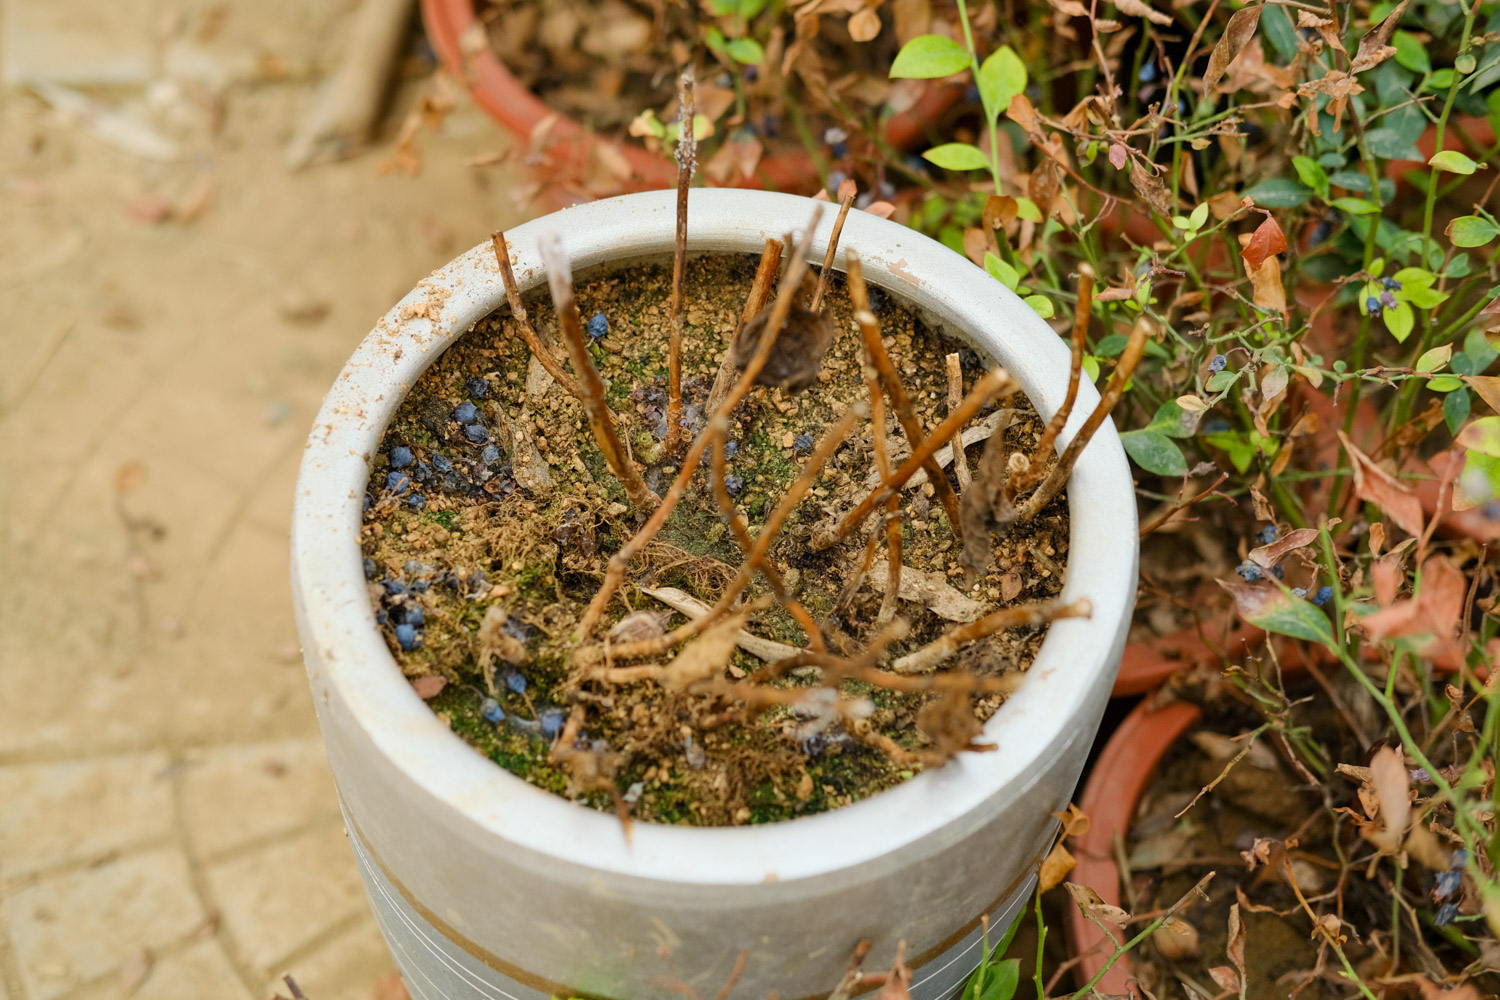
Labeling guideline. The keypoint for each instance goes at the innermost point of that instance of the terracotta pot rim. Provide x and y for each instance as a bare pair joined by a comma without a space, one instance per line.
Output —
510,103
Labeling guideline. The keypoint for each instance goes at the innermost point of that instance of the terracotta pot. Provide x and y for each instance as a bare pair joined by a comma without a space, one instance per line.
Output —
513,105
1110,795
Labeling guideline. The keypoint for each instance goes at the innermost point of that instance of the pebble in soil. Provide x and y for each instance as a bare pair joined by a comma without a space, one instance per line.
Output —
521,514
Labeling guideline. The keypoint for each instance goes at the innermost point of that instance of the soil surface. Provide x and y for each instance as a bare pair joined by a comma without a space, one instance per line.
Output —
515,509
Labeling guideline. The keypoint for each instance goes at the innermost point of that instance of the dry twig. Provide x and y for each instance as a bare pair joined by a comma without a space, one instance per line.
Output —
539,348
687,161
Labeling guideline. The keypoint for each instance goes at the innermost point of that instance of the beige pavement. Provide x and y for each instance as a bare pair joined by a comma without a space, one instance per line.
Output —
168,828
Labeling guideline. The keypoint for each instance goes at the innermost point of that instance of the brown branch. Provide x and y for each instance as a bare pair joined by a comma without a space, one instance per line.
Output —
760,291
1059,420
900,402
747,545
1167,513
539,348
956,396
601,421
687,160
718,425
953,640
1056,479
865,319
847,190
993,383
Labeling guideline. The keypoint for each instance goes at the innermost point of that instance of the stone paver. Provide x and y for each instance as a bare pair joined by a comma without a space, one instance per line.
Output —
162,781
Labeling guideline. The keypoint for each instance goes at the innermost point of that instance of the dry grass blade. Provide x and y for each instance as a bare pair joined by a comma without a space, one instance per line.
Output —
994,383
953,640
687,161
534,342
847,191
896,392
955,397
601,420
717,426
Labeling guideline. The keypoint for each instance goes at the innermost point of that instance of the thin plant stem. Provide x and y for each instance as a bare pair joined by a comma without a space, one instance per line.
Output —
687,159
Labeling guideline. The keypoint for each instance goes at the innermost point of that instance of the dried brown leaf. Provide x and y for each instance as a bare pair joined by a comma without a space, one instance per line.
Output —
1056,868
1149,187
1092,904
800,347
703,657
1177,940
1267,241
1138,8
1237,33
1488,387
1234,947
864,25
1268,291
1375,47
1392,784
1374,485
1225,977
1269,555
1075,822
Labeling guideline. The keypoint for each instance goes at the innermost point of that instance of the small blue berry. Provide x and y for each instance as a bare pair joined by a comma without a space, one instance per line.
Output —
734,484
441,463
423,472
839,150
1445,914
1250,571
1268,534
802,442
1447,883
364,507
491,711
1391,283
515,682
1323,596
478,387
1388,300
552,722
476,433
731,449
401,456
416,501
466,413
1148,71
1278,572
1217,363
1372,305
490,455
397,482
413,615
1460,858
370,568
407,637
598,326
381,618
394,588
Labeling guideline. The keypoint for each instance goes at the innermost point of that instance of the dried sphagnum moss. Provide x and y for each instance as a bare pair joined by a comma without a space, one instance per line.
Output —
529,531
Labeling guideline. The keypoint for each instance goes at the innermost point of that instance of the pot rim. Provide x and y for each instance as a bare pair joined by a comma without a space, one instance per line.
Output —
934,808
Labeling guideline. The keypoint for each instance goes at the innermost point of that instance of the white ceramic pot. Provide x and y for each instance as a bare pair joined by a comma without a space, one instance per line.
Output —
486,887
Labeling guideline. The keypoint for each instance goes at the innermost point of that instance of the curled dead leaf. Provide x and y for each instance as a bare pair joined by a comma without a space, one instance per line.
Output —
1374,485
1268,556
1374,47
1092,904
1176,939
1237,33
1055,868
1267,241
864,25
1137,8
703,657
1150,187
1392,782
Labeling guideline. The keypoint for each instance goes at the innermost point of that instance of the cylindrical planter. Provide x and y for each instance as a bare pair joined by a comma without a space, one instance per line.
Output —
487,887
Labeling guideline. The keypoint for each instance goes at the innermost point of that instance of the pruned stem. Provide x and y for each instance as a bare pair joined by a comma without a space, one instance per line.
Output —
866,320
1028,477
717,425
538,347
1055,480
601,420
687,160
847,191
747,544
896,392
760,291
994,383
954,639
956,396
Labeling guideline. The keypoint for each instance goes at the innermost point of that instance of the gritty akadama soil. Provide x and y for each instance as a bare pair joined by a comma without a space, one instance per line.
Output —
522,513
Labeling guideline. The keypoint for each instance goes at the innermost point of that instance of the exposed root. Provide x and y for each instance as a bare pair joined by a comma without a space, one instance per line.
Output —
1029,615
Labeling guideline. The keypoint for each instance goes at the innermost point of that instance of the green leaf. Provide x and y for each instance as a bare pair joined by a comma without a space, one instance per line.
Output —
1483,471
1411,53
1169,421
1026,209
1483,436
714,39
1000,981
1278,192
1423,297
1041,304
1091,368
957,156
1400,321
1478,350
1313,175
1001,271
1414,277
1154,452
1456,410
927,57
1440,80
1445,383
1276,25
746,50
1435,359
1199,217
1453,161
749,8
1001,77
1471,231
1356,206
1388,144
1279,610
1219,381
